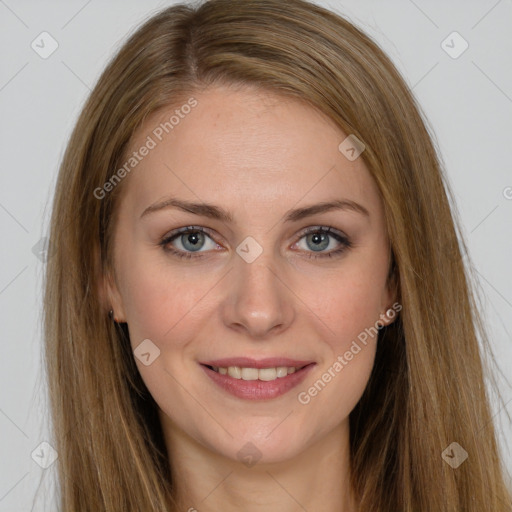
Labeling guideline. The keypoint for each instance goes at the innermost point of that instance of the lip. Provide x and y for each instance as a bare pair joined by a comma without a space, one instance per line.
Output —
258,389
247,362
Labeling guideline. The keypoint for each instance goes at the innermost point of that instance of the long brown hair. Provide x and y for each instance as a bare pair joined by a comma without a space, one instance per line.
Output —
427,388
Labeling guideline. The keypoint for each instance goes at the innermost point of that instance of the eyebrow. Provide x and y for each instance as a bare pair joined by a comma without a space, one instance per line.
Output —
215,212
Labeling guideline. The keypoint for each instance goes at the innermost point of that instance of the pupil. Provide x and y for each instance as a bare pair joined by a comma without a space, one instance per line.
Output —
192,241
195,237
318,240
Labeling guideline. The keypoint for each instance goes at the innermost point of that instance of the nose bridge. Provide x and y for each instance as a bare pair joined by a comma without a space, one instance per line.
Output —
257,298
258,278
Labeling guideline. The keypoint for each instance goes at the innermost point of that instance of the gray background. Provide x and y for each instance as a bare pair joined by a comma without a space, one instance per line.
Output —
467,101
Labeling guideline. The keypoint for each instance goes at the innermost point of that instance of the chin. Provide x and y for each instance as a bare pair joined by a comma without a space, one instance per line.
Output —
263,446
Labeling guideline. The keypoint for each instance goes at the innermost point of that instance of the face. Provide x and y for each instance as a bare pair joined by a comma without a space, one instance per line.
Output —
262,281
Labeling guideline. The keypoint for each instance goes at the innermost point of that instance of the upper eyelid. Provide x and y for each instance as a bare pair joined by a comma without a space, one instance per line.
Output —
180,231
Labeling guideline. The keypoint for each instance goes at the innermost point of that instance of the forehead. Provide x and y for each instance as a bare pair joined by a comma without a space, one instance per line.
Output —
244,148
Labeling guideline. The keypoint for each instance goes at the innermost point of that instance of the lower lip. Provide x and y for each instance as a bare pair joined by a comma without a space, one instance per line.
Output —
258,389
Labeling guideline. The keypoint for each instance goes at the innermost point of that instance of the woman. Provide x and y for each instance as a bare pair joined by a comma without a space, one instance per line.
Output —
257,298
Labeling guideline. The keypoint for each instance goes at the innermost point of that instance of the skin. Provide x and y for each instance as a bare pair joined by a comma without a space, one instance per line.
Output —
257,155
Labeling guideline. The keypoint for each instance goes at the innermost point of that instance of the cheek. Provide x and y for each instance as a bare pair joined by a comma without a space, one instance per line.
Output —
337,388
166,307
349,310
347,305
160,302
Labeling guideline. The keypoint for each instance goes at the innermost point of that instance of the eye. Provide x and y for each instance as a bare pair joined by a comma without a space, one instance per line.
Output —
319,238
192,239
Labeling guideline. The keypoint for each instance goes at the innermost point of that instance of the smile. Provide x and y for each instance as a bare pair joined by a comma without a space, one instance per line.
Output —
263,382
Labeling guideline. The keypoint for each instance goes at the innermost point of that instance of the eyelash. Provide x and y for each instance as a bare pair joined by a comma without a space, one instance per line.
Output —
346,244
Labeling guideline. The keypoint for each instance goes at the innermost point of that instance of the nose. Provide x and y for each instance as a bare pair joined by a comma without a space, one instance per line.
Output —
258,301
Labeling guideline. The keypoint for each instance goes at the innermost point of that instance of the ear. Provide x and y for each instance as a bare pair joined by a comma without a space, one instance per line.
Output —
389,305
108,291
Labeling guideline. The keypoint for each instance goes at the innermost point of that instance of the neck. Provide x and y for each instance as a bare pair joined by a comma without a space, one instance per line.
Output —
318,478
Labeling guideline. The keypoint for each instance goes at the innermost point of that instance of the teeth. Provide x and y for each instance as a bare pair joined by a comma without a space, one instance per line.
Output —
282,371
235,372
265,374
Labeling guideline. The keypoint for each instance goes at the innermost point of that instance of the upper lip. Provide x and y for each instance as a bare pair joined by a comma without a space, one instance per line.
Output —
247,362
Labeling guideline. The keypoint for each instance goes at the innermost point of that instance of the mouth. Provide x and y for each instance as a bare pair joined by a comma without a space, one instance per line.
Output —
257,380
